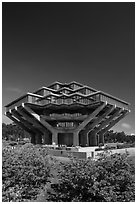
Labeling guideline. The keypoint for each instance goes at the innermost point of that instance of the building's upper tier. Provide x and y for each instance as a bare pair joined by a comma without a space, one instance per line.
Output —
67,93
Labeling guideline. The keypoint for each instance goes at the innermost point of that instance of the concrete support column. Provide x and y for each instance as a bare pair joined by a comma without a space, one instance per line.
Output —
86,142
101,138
55,137
38,137
47,138
92,138
76,138
87,139
97,138
33,139
83,138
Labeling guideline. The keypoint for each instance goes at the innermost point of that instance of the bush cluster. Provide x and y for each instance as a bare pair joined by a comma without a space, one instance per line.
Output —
111,136
109,179
29,174
13,132
125,145
25,172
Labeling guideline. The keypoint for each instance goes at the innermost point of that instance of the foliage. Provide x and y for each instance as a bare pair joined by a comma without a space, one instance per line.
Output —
30,174
99,149
13,132
121,137
109,179
25,171
125,145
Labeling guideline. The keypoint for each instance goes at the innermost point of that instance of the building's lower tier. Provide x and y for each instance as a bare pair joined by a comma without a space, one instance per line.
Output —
68,138
87,129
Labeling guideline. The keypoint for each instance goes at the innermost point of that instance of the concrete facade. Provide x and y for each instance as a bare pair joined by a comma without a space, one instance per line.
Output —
68,114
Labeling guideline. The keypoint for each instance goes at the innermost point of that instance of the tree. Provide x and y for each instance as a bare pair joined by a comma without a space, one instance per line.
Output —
121,137
13,132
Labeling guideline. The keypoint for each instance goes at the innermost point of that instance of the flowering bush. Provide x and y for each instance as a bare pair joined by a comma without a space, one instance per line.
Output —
29,174
109,179
25,171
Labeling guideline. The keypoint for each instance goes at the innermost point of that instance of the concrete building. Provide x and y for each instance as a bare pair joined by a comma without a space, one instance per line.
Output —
71,113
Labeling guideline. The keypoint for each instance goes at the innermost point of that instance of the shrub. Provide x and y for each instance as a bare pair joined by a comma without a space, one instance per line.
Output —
99,149
25,172
22,142
125,145
12,143
109,179
110,147
101,144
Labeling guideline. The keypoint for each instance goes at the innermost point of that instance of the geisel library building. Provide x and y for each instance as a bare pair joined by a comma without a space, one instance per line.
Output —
68,114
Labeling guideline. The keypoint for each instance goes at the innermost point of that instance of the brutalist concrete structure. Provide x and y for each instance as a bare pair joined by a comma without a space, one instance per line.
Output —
71,114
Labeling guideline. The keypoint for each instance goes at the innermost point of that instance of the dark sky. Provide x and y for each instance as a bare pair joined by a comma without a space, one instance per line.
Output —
91,43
